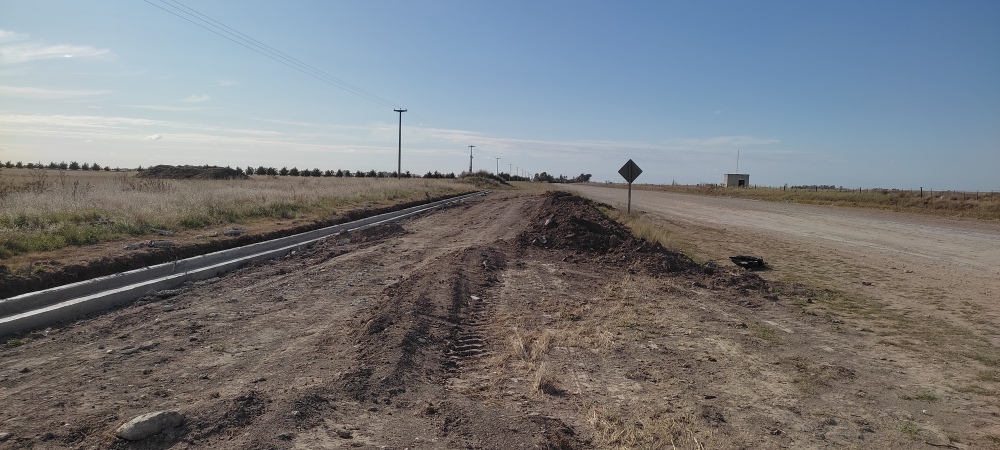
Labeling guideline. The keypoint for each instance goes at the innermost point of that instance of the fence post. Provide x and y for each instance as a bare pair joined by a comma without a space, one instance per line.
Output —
921,192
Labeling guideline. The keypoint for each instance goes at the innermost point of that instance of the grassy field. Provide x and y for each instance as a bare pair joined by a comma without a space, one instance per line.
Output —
980,205
49,209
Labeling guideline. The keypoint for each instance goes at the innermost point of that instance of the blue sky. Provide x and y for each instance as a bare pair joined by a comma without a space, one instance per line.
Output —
854,93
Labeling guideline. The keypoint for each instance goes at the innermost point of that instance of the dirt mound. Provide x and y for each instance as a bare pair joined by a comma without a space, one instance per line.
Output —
192,172
568,222
485,180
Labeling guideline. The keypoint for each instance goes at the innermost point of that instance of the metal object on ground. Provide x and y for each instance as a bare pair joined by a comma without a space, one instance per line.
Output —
748,262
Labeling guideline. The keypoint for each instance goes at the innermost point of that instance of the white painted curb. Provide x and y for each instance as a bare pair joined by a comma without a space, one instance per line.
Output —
62,303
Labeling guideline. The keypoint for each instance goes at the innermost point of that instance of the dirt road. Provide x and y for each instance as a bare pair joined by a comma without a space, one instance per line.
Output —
931,264
516,320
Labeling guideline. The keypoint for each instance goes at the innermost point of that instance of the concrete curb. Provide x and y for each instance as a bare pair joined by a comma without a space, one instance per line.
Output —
62,303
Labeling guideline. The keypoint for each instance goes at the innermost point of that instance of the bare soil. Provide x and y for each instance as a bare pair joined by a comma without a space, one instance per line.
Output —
511,321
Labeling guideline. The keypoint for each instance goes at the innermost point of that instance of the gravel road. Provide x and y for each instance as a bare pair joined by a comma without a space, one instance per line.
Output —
940,267
924,240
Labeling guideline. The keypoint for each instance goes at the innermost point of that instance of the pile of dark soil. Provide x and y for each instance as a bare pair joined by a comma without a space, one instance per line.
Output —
192,172
568,222
485,180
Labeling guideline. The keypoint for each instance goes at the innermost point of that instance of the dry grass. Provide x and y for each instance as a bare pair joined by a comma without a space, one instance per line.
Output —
621,431
982,205
546,381
650,231
47,209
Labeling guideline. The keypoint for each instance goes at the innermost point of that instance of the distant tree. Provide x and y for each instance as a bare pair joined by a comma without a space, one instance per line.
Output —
249,170
19,165
371,174
261,170
271,171
283,171
107,168
137,169
85,166
95,166
328,173
73,165
63,165
52,165
317,173
451,175
8,164
340,172
240,172
29,166
294,172
359,174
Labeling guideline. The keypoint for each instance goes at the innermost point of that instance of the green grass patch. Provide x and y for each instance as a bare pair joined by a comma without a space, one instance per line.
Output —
974,389
766,333
990,375
909,429
989,358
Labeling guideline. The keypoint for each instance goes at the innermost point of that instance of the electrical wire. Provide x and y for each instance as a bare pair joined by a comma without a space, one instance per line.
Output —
285,56
191,15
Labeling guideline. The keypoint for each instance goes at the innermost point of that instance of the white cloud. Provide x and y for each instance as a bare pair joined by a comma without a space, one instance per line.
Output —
154,137
46,94
30,51
165,107
196,98
10,36
723,141
17,48
224,83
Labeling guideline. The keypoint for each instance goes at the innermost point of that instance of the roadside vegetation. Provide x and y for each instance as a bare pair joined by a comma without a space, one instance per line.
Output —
980,205
47,209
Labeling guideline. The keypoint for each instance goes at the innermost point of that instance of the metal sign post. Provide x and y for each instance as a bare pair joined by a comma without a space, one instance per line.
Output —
630,172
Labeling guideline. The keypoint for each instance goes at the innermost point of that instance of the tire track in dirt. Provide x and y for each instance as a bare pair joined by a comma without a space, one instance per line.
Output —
464,329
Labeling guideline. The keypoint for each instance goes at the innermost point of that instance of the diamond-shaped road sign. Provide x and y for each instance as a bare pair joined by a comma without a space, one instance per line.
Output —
630,171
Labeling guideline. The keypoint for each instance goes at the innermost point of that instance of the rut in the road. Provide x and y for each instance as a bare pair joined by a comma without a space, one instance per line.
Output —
469,310
427,327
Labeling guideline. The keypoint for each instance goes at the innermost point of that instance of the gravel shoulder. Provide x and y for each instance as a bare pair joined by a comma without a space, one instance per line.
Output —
514,321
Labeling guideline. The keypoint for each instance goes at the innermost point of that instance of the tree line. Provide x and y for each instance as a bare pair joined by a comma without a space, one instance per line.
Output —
73,165
544,177
315,172
249,170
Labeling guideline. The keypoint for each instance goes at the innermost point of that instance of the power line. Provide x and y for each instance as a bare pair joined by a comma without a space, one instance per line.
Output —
231,34
339,82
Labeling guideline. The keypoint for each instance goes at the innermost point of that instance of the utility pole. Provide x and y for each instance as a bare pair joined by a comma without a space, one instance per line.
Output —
508,169
498,165
470,159
399,158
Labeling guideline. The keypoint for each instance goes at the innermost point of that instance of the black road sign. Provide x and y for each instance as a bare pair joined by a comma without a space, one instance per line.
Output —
630,171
